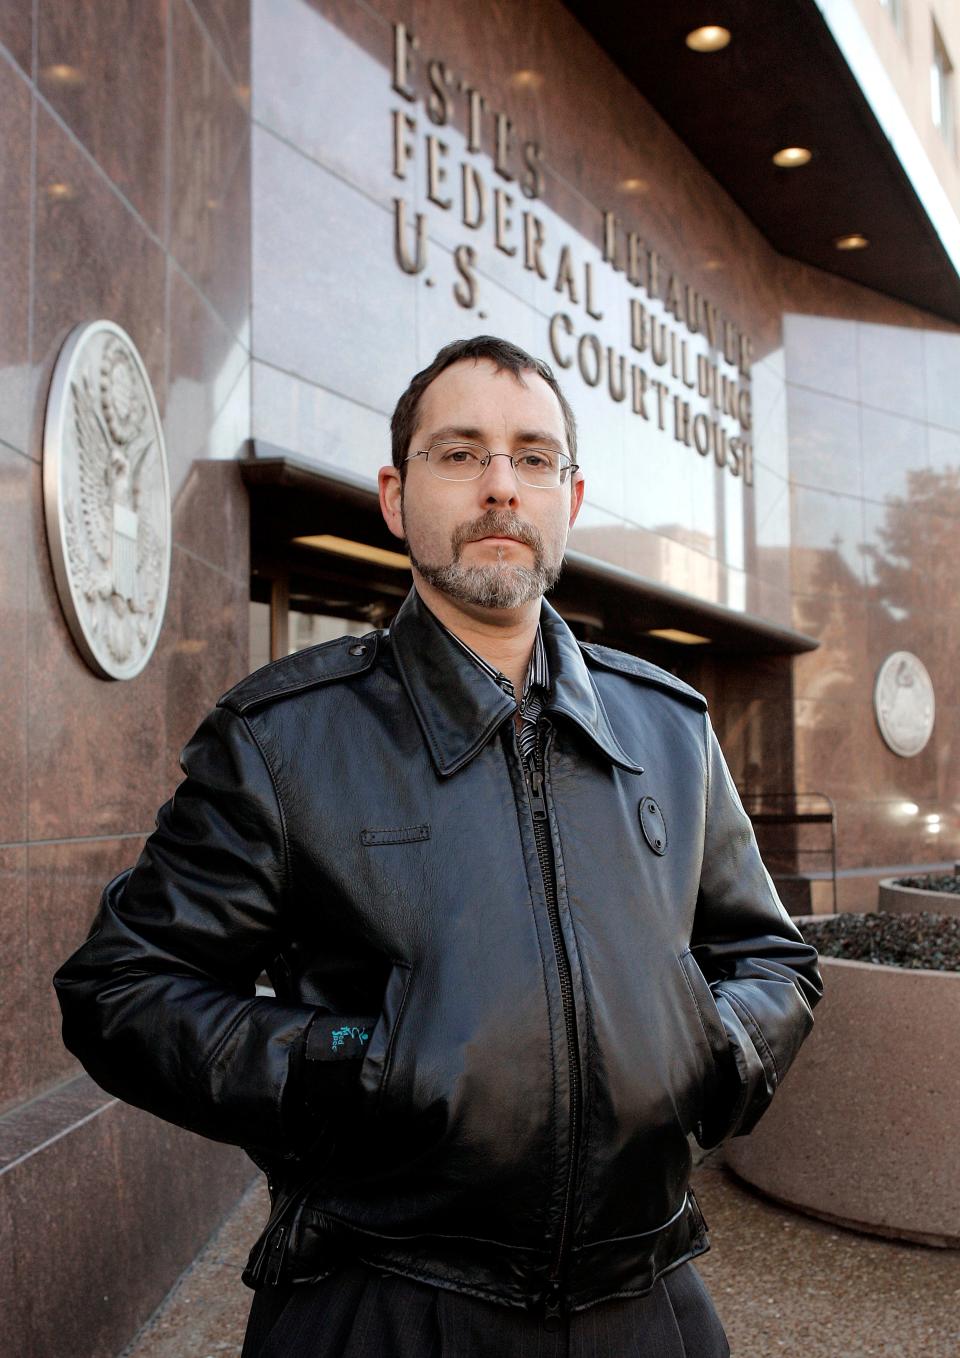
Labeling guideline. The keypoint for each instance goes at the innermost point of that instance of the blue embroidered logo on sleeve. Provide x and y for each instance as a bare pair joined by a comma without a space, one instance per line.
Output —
340,1035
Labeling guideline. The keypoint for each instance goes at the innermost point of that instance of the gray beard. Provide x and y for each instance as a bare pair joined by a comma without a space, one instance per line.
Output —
497,585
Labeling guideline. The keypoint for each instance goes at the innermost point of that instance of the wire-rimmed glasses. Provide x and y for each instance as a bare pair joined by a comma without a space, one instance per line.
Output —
457,460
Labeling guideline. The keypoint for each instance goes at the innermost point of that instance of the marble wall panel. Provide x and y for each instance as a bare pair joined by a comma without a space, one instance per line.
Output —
944,449
827,537
831,739
92,258
48,1293
942,363
656,486
210,173
16,32
893,449
158,1242
206,363
316,71
440,318
37,1120
205,650
839,670
16,1074
891,369
228,24
115,104
947,755
771,447
14,259
18,486
824,441
771,601
158,1193
886,832
905,550
309,318
64,882
767,540
320,425
600,534
211,519
821,352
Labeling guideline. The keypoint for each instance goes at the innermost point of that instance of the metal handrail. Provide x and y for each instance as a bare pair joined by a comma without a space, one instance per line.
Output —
759,817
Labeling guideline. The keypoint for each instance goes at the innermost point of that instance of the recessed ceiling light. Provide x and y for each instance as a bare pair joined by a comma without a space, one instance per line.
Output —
789,157
634,185
676,634
526,80
709,38
362,551
60,192
852,242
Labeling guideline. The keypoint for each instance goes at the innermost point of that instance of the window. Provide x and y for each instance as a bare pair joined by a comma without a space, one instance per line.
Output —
941,90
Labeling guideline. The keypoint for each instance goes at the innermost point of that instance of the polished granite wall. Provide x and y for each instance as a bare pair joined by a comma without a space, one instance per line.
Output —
124,193
851,390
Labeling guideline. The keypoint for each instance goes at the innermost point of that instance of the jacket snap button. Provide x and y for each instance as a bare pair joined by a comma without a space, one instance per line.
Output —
358,650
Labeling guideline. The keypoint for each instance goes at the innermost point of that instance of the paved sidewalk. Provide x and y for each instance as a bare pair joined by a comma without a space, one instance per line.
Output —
784,1285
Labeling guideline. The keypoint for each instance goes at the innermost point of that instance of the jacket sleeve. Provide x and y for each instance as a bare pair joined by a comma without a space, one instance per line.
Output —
159,1004
763,977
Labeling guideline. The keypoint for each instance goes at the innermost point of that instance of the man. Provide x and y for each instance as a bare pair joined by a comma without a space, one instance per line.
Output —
520,936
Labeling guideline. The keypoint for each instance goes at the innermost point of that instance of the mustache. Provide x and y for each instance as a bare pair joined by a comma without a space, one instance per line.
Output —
496,523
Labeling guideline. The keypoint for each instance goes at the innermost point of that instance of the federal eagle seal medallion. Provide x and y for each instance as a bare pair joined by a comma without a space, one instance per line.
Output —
904,703
106,495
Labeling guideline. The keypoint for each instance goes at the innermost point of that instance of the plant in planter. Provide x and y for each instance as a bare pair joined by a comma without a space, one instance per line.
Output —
864,1132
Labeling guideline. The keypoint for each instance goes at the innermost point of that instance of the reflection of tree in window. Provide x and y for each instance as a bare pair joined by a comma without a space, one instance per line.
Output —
918,534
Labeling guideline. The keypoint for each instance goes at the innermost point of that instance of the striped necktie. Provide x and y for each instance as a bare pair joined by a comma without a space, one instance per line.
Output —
536,688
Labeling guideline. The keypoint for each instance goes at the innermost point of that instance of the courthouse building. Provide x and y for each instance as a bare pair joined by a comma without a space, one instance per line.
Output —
739,254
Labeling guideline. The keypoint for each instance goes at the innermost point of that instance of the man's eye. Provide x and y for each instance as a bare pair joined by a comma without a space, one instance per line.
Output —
536,461
459,455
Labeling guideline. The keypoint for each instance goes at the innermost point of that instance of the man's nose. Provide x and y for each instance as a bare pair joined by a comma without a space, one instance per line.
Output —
499,484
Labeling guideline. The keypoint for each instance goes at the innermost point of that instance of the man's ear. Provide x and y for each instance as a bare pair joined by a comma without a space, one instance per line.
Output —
391,497
576,496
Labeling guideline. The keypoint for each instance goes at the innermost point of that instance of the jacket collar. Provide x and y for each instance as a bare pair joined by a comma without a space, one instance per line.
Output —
458,707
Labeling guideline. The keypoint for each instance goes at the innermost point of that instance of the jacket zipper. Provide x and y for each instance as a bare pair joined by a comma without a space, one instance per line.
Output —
541,831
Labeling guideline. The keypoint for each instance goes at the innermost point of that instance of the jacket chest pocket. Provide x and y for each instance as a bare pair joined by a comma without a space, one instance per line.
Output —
379,1057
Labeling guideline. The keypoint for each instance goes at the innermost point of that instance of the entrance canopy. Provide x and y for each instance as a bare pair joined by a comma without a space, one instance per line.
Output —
319,533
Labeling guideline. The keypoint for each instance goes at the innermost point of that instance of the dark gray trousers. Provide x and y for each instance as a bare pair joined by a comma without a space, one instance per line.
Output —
359,1312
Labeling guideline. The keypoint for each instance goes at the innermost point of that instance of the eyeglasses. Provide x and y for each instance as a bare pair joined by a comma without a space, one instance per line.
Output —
454,460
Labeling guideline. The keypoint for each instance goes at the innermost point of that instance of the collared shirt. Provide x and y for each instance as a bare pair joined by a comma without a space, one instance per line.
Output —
536,687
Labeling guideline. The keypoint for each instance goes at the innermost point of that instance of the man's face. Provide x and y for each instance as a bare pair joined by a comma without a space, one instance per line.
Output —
492,542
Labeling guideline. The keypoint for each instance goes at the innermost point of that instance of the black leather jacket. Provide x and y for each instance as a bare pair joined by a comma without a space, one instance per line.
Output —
551,977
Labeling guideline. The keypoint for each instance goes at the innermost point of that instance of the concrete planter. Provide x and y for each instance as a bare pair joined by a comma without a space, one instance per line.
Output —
864,1130
906,900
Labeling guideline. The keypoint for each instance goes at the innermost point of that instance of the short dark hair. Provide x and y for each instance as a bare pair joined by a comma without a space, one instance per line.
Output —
506,356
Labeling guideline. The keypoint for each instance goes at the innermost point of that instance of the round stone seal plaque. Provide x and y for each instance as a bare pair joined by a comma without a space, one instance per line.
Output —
904,704
106,496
